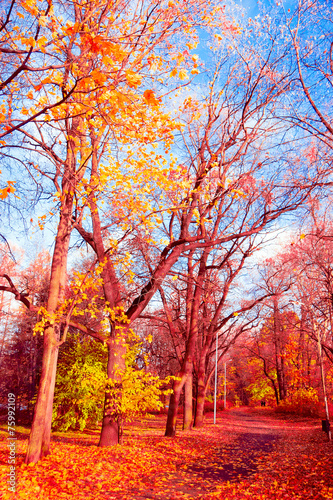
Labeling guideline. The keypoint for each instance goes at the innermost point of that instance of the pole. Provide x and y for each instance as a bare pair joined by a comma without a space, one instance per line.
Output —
215,391
225,385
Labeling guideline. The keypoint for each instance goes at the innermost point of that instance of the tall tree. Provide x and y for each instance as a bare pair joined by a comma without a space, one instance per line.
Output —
106,52
140,171
233,193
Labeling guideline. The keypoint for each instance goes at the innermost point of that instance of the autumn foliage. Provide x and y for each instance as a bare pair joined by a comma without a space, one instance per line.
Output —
174,157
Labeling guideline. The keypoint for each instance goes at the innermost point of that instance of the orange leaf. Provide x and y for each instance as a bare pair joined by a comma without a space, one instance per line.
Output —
150,98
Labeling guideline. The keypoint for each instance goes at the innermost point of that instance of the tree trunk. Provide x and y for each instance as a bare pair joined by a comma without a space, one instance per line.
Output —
280,377
39,439
111,432
278,331
110,428
188,412
40,435
183,374
276,392
202,384
201,396
170,430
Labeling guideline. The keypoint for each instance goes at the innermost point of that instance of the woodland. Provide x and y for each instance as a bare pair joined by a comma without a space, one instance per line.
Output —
165,245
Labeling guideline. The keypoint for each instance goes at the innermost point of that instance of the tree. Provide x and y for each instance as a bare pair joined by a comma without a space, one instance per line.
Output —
283,349
206,295
105,53
313,290
226,136
128,209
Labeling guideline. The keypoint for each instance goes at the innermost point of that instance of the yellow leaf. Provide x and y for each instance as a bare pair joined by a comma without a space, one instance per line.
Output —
183,74
43,20
133,79
42,41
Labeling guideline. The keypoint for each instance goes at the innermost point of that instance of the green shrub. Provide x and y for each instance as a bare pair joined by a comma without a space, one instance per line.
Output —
80,385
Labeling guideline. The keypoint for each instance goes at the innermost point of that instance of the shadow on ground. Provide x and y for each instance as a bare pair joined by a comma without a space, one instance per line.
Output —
243,456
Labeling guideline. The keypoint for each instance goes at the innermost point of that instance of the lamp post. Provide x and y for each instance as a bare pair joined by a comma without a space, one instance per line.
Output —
215,390
225,385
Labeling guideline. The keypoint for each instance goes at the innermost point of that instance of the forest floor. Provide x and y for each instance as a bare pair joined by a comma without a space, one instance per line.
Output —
248,454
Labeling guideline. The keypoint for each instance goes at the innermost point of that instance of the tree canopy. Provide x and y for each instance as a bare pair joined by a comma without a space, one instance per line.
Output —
161,146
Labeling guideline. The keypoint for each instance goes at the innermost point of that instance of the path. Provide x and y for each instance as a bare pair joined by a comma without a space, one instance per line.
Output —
250,446
250,436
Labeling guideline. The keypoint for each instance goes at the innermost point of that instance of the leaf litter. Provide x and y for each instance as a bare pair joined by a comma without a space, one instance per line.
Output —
249,453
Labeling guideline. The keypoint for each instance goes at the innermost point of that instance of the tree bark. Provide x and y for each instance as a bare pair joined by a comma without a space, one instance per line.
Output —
170,430
201,396
188,403
39,439
111,432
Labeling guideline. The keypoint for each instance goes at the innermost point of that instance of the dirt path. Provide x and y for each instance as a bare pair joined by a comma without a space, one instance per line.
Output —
238,466
244,438
250,447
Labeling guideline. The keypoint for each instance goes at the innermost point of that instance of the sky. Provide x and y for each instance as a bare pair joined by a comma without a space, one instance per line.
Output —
252,7
35,239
